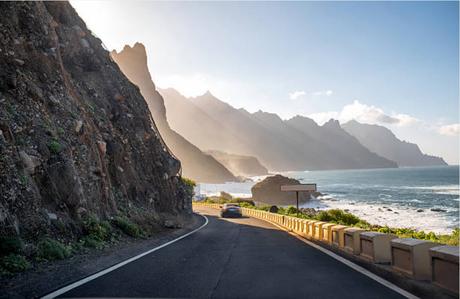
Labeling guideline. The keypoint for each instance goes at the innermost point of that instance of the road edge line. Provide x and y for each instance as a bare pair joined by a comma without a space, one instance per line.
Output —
348,263
82,281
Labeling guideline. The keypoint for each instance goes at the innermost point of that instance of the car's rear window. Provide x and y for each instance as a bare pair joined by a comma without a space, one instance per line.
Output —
231,205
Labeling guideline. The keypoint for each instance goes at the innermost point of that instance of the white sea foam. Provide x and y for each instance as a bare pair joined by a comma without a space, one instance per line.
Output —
394,215
438,189
415,200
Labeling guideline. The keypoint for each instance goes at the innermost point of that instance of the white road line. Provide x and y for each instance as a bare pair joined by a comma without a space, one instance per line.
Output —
114,267
349,264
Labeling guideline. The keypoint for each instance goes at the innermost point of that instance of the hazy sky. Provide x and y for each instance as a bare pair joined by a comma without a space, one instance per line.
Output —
391,63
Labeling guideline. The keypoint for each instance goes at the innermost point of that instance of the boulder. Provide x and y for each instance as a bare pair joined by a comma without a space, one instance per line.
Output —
225,195
30,162
273,209
78,126
269,191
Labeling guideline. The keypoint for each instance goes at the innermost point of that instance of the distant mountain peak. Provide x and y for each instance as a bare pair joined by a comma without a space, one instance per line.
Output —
333,124
267,116
138,48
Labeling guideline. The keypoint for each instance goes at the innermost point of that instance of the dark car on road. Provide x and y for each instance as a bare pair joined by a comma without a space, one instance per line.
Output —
230,210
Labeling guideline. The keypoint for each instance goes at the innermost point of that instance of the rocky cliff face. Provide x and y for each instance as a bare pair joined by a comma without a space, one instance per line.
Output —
76,137
195,164
383,142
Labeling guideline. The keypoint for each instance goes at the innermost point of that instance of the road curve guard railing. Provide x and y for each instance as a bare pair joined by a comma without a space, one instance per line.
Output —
413,258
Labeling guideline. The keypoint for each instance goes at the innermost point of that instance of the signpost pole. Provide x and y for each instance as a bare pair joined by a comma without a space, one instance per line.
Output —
297,198
298,188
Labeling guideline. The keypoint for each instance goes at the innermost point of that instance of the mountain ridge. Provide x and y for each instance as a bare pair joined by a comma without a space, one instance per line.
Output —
195,164
278,144
384,142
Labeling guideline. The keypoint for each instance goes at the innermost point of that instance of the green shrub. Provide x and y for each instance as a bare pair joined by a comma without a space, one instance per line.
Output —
13,263
61,131
91,242
189,182
245,204
265,208
291,210
98,230
189,186
9,245
244,201
49,249
340,217
54,146
129,228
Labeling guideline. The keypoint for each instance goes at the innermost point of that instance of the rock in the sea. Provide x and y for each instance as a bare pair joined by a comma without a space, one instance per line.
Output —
269,191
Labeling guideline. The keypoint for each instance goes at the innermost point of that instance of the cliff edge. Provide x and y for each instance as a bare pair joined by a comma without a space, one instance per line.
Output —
76,136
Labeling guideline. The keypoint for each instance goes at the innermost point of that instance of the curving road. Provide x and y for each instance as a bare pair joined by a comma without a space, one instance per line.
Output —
235,258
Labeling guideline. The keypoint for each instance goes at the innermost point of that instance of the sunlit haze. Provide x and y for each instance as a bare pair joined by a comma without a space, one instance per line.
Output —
391,63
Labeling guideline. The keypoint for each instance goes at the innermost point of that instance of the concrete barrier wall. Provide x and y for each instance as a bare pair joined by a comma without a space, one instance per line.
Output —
411,257
376,247
444,263
417,259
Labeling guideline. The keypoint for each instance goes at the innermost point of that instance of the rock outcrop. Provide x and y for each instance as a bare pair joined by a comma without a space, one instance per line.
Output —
76,137
383,142
268,191
195,164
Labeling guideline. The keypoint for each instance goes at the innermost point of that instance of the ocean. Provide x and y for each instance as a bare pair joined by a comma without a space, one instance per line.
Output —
424,198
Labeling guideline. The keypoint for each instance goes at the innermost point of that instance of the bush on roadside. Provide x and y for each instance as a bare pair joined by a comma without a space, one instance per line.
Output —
128,227
292,210
97,230
244,201
10,244
91,242
13,263
339,217
49,249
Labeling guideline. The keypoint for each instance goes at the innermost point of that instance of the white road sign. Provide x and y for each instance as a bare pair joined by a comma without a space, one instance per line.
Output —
301,187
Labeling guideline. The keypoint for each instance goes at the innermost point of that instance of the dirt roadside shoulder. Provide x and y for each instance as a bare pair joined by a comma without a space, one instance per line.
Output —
50,276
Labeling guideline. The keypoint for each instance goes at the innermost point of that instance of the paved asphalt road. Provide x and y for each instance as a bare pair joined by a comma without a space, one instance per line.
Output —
235,258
